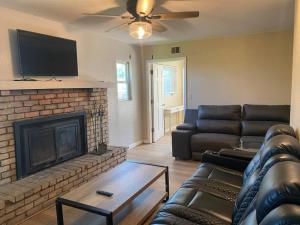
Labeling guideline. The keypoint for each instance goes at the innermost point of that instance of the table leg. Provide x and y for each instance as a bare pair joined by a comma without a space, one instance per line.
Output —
109,219
59,213
167,183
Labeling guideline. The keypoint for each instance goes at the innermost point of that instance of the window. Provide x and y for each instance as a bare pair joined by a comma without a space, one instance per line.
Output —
123,80
169,76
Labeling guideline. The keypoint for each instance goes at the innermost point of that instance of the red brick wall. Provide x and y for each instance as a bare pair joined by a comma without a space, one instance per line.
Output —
27,104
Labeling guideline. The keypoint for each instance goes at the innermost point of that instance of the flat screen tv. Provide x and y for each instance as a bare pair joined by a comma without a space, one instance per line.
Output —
43,55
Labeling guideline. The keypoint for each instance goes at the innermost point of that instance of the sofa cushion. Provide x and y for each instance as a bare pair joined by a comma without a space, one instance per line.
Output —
284,214
192,200
165,218
218,126
252,141
279,186
210,141
280,129
190,116
257,128
267,113
181,144
224,175
219,112
280,144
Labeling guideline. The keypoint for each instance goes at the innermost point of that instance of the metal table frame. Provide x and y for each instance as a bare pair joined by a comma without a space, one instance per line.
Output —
109,215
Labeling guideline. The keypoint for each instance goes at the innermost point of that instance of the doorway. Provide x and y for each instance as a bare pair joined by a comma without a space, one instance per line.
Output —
167,96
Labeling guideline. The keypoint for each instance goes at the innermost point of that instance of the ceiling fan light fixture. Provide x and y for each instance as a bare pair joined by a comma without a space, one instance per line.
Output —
140,30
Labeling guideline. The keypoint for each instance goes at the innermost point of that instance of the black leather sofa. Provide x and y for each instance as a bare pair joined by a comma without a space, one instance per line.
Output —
214,128
267,192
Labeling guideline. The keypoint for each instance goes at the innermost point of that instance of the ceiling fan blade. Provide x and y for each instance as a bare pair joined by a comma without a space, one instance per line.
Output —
175,15
105,15
116,27
158,27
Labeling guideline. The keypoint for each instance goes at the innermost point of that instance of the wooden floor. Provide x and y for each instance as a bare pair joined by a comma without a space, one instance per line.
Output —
159,153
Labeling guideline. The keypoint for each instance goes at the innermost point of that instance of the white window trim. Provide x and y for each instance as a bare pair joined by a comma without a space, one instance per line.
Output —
128,79
174,85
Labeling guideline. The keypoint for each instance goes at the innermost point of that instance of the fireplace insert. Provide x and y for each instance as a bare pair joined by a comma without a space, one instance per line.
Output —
45,142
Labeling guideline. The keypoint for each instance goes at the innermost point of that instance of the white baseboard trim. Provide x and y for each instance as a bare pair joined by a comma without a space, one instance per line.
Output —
133,145
146,141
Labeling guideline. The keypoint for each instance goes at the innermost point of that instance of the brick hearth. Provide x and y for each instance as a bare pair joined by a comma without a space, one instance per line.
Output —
28,196
25,104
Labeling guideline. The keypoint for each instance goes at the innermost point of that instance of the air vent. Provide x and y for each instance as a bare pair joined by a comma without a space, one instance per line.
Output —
175,50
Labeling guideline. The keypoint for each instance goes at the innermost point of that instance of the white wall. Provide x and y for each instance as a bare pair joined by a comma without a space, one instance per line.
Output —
96,58
253,69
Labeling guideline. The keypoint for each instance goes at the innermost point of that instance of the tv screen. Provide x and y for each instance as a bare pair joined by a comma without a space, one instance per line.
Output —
43,55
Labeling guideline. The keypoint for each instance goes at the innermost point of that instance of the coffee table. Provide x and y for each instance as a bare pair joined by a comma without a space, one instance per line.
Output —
130,183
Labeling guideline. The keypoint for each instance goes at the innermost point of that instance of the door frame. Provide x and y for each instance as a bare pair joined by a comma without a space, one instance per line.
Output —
149,110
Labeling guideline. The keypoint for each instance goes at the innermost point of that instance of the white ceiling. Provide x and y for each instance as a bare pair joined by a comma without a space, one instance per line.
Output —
217,17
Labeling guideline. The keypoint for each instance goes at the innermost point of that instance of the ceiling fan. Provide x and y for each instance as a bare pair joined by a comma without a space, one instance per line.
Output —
142,21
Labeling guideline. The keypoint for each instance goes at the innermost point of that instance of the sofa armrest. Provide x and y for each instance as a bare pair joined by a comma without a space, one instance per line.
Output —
228,162
237,154
181,144
187,126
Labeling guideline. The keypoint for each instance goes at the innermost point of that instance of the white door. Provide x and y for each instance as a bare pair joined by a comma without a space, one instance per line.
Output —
158,102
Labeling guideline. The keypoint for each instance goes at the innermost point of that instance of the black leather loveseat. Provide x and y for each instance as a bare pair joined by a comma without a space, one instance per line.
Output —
267,192
212,127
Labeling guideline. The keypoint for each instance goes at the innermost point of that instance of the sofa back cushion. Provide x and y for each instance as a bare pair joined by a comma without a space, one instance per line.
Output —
219,126
257,119
190,116
277,200
219,112
221,119
281,185
279,113
257,128
278,130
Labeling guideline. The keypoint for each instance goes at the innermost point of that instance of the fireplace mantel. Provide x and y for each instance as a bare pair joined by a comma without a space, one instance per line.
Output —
64,84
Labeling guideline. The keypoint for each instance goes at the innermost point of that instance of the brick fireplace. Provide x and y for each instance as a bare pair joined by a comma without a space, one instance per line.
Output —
16,105
21,198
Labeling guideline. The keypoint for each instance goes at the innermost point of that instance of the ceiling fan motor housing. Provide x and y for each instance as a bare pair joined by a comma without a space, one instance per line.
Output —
140,8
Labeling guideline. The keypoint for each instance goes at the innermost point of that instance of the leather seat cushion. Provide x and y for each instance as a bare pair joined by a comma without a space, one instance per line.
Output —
165,218
198,207
216,182
215,142
252,141
220,174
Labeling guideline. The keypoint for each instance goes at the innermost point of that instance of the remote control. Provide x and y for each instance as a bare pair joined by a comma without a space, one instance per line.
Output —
105,193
